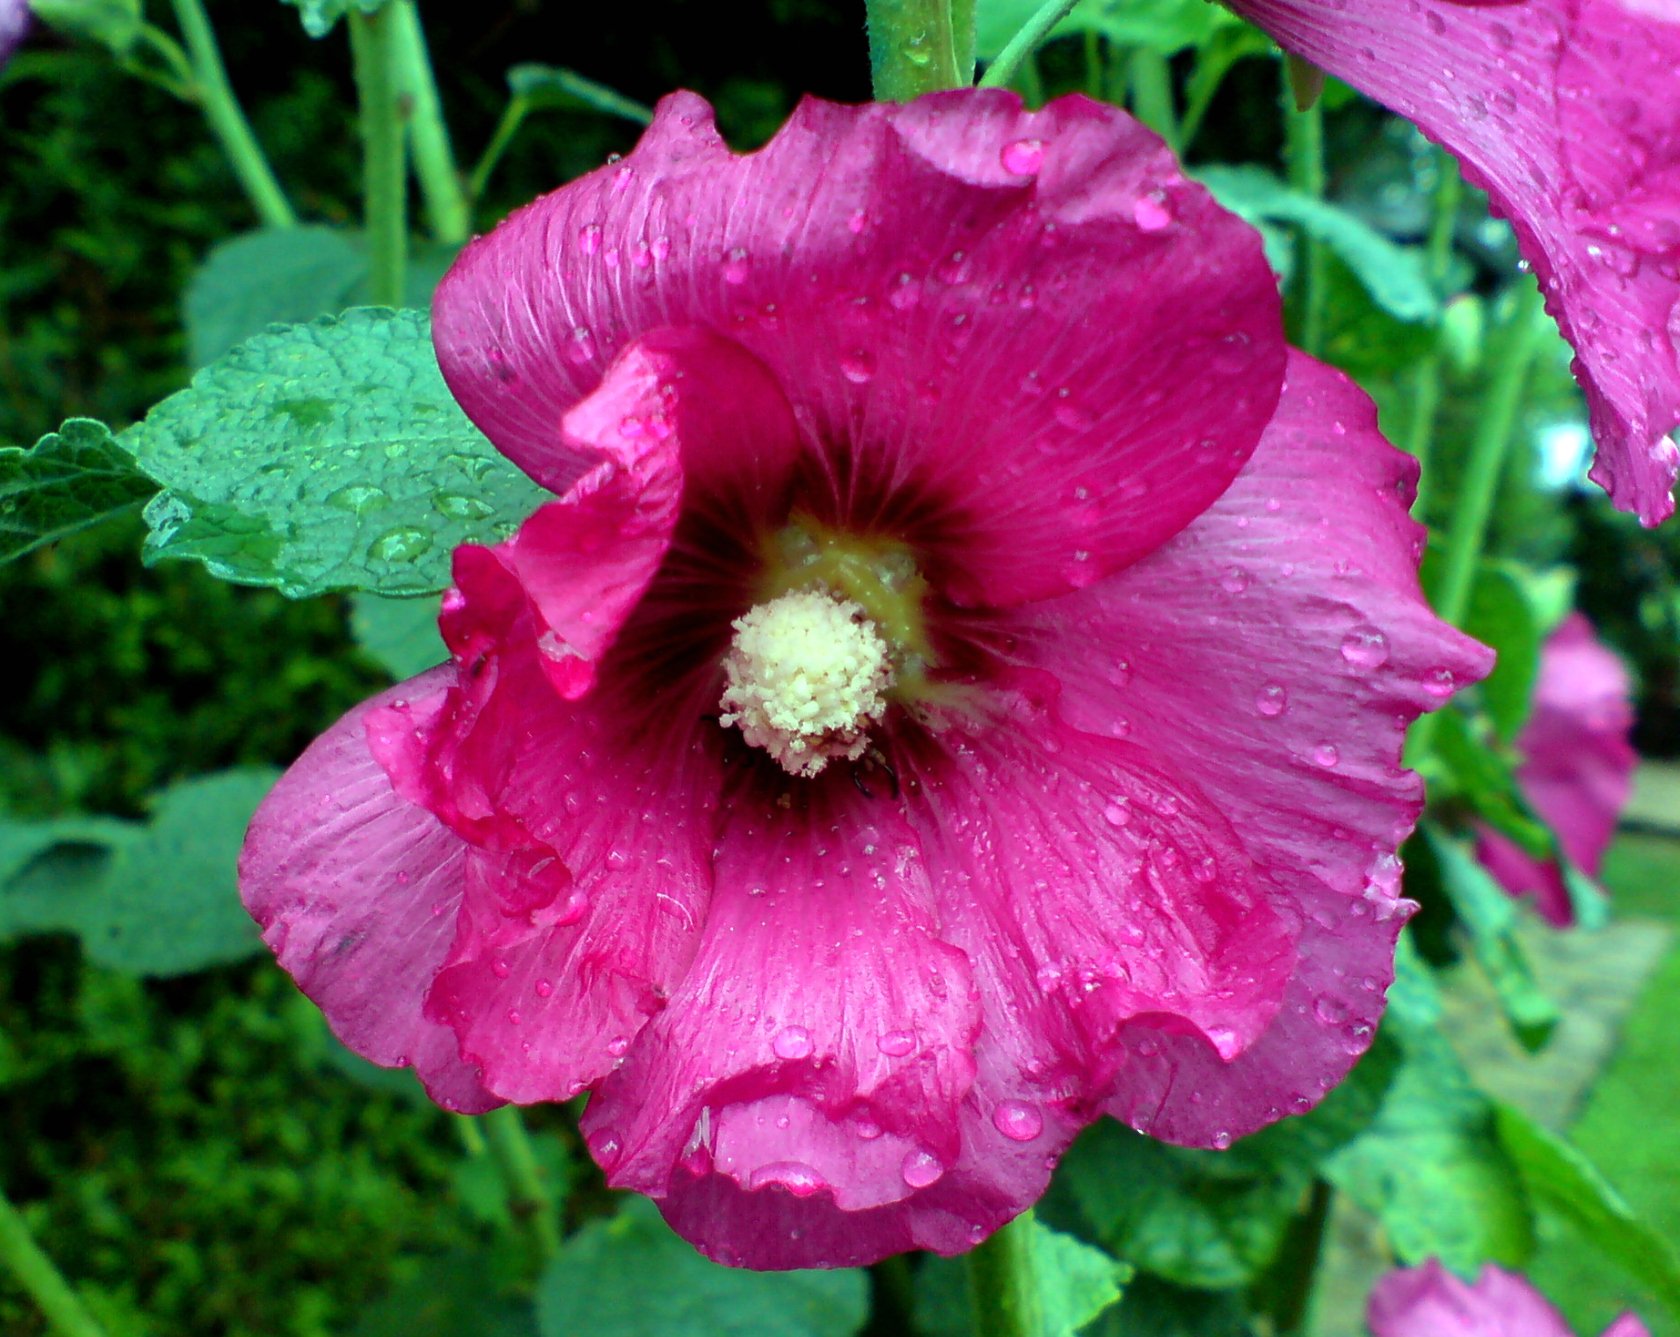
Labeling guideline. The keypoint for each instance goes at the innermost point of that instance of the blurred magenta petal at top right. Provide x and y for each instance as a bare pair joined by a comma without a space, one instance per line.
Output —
1577,768
1567,112
1429,1301
14,22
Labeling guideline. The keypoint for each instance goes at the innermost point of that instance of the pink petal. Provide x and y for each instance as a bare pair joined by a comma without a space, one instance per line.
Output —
1627,1326
808,1098
891,266
356,890
678,410
1271,656
1568,113
1429,1301
1578,765
589,831
1104,902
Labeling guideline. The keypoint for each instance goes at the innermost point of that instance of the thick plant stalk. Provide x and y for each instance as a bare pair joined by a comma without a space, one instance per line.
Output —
1002,1285
1303,151
373,43
913,48
214,95
46,1285
447,210
528,1196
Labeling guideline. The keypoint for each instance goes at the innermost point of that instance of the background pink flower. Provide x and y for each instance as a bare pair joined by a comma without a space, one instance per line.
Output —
1429,1301
1120,840
1577,768
1567,112
14,23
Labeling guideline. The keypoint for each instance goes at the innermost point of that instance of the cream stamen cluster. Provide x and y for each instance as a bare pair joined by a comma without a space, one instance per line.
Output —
806,676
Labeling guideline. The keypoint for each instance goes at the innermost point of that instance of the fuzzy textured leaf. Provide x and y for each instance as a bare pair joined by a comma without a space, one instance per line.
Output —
326,456
1565,1180
1393,275
1430,1166
400,634
285,276
68,480
157,898
601,1283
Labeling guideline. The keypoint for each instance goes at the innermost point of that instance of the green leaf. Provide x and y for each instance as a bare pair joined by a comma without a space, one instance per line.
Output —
68,480
171,903
630,1276
545,87
1630,1124
51,870
1213,1219
320,16
401,634
113,24
452,1297
1167,26
1490,917
1565,1180
1481,773
154,899
1394,275
324,457
1076,1283
1501,615
1430,1166
285,276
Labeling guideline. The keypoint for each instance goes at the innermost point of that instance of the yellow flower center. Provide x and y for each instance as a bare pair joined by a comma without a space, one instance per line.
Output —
837,632
807,673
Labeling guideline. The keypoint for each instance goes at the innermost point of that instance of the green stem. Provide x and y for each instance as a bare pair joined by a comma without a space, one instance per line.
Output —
1287,1286
1002,1286
1466,532
447,209
528,1195
1426,381
215,96
1024,43
35,1272
1303,151
513,116
912,48
373,44
1152,93
1467,528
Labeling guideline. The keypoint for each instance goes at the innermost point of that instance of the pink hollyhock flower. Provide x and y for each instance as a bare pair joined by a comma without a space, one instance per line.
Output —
14,23
1429,1301
1577,768
1567,112
957,692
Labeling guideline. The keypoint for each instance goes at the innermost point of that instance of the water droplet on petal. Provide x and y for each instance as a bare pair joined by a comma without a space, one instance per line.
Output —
737,265
857,366
922,1168
1326,754
1150,212
1017,1120
792,1042
1271,700
499,968
1365,647
896,1044
1023,157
